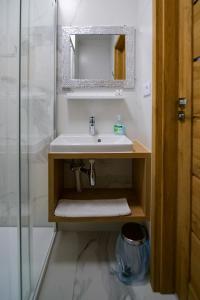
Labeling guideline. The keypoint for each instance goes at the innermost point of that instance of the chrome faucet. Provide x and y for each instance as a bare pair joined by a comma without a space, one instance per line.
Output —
92,126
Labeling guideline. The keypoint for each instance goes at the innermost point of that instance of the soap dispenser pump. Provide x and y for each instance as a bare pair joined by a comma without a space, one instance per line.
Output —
119,127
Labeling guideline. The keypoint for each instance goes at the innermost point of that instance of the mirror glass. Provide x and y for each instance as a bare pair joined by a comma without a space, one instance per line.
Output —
98,56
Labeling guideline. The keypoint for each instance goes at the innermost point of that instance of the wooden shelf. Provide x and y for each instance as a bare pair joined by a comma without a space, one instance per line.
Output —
96,96
137,212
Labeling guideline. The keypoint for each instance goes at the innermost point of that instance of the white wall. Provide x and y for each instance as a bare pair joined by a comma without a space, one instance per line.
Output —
72,115
142,106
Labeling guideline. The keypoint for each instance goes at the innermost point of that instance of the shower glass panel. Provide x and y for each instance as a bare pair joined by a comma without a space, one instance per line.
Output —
9,150
37,130
27,88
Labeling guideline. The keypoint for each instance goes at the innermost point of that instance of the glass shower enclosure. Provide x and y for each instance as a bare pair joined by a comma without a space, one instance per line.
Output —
27,100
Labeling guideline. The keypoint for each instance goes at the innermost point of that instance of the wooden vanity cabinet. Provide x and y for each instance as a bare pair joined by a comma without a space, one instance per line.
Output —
138,195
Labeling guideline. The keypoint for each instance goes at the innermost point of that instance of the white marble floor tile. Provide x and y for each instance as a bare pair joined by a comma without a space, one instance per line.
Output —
9,259
41,239
81,268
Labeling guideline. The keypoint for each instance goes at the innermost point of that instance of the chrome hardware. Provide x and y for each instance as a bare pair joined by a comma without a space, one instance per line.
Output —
92,126
76,166
182,102
181,116
92,173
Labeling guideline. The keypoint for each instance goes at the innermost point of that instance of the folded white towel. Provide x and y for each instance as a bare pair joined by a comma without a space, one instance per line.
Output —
92,208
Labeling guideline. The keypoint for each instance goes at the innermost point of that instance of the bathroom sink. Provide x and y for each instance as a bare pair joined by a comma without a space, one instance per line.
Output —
88,143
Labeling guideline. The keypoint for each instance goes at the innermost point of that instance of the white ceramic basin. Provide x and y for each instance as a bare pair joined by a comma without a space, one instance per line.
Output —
87,143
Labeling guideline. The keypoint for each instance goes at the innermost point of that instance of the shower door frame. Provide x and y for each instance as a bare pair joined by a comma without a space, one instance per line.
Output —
34,292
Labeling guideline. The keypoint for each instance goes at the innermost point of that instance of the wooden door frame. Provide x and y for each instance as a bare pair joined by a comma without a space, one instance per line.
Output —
120,58
184,151
170,209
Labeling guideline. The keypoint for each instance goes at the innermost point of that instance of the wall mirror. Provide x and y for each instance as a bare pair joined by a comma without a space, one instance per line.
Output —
98,56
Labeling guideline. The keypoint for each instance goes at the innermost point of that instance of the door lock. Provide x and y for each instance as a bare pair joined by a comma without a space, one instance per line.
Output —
181,116
182,102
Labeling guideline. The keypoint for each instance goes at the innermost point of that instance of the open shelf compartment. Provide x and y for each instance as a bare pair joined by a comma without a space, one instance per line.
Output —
138,196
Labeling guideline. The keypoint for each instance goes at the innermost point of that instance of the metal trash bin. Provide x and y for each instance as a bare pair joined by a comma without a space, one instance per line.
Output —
132,253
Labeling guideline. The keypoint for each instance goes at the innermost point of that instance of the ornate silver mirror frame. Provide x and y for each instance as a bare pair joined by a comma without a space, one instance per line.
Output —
129,32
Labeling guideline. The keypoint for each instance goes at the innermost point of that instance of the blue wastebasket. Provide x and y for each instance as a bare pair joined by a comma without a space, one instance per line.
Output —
132,253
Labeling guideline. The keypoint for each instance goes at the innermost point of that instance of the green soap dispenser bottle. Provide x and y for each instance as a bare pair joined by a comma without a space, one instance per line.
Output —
119,127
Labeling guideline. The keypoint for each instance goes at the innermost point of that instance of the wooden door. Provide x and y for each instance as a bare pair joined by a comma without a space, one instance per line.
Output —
175,209
188,212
